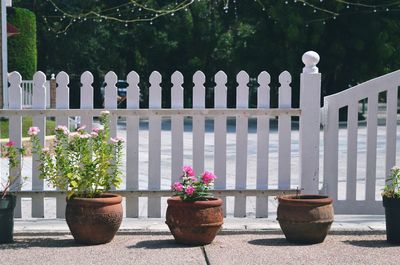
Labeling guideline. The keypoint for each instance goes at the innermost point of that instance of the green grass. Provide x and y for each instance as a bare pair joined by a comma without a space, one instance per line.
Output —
26,123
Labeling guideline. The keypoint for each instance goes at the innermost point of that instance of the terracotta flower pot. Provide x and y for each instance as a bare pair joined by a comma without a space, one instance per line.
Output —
194,223
94,220
7,206
305,219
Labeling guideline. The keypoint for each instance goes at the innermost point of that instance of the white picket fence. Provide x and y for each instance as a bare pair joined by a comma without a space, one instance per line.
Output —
309,113
27,93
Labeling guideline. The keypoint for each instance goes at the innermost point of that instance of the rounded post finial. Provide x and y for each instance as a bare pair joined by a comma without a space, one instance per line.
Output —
310,60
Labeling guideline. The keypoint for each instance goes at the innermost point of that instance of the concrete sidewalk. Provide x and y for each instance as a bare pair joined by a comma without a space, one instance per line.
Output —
342,223
353,239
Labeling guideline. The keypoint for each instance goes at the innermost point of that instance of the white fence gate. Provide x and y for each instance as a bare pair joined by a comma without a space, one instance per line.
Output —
242,160
360,187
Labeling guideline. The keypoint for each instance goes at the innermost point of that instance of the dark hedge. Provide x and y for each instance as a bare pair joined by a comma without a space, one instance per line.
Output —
22,50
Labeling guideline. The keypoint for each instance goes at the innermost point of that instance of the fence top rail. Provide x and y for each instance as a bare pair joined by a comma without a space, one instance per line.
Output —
364,90
151,112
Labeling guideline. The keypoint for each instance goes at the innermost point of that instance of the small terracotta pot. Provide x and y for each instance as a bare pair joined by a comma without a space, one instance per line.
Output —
305,219
94,221
194,223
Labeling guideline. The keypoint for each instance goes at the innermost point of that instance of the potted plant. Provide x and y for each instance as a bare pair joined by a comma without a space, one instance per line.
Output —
305,219
194,216
391,202
7,199
85,166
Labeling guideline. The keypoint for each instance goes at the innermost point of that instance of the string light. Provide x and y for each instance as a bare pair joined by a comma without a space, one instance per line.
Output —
133,11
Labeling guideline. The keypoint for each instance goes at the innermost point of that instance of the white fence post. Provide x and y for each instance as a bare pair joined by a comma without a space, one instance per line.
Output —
310,93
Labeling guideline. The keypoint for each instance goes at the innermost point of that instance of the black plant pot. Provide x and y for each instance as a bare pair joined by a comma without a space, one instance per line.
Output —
7,206
392,214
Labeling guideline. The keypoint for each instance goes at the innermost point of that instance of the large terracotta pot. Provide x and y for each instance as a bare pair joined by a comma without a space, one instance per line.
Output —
194,223
305,219
392,217
7,205
94,220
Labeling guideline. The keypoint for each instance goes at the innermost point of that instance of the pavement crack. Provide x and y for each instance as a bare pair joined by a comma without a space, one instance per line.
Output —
203,249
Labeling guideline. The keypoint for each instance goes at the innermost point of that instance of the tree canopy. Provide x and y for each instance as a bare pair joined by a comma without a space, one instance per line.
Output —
354,46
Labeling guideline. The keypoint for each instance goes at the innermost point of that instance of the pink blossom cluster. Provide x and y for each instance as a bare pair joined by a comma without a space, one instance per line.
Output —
191,186
63,129
10,143
33,131
117,140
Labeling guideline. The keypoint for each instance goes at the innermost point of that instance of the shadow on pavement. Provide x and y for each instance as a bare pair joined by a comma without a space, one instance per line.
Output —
22,243
279,241
158,244
374,243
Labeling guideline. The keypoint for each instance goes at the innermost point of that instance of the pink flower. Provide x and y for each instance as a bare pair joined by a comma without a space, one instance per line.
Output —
33,131
63,129
45,150
177,186
189,190
208,177
94,134
188,170
97,130
81,128
10,143
120,139
85,136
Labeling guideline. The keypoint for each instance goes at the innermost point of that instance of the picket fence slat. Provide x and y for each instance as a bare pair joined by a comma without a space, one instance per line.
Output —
331,135
62,102
391,128
87,99
110,99
15,127
38,102
154,203
352,122
199,95
176,127
284,130
132,144
220,99
371,147
263,101
242,101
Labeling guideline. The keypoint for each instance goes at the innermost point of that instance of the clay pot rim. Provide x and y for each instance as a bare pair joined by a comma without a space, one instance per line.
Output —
305,199
104,198
212,202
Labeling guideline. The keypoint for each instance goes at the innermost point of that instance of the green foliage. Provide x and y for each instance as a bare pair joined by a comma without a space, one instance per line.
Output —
392,187
81,164
26,123
22,51
354,47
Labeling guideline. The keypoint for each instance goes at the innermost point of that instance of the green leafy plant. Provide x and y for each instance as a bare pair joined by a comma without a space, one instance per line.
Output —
12,153
80,163
192,187
392,187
